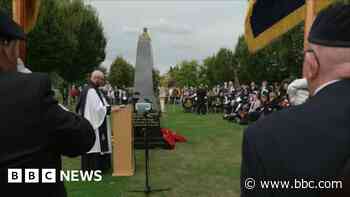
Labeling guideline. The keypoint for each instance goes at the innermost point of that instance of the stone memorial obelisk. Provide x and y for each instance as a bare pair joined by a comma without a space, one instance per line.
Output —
145,87
144,70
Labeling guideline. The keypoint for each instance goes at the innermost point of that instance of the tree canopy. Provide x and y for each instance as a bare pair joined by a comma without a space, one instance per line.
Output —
68,39
278,61
121,73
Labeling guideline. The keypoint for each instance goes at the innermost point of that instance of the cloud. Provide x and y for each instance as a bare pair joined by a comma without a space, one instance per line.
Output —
162,26
179,30
107,64
127,29
161,68
168,27
182,44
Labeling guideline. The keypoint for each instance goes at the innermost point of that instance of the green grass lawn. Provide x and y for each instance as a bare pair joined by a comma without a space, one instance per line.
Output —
208,165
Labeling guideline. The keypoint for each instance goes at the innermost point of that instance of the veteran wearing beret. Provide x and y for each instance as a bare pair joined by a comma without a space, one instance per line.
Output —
309,142
34,130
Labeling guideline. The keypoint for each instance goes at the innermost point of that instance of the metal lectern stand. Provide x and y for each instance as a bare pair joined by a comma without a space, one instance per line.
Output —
148,190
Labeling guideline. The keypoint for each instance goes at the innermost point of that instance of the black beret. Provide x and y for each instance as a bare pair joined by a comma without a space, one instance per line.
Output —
332,27
9,29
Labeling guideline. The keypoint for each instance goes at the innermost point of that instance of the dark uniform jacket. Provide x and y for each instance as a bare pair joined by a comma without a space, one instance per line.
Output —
35,132
310,141
201,94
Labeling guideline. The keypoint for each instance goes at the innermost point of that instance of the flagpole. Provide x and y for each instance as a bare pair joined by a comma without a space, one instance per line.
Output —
309,19
19,15
310,16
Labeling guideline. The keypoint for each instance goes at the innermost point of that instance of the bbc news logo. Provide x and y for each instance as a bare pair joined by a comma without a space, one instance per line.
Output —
51,176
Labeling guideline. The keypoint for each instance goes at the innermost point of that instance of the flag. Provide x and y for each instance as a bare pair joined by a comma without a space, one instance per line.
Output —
266,20
33,8
29,8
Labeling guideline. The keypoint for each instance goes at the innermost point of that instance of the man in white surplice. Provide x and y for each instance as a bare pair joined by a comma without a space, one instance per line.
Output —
94,107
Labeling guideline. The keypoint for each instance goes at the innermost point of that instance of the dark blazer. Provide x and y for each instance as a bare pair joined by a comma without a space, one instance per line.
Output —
310,140
35,132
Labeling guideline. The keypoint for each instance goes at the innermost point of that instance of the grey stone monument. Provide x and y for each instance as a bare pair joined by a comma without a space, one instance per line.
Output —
144,70
145,87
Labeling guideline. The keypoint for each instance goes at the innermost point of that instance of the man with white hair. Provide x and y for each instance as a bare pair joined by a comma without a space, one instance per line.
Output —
309,142
94,107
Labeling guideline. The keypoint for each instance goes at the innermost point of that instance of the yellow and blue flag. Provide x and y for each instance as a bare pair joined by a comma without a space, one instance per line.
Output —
266,20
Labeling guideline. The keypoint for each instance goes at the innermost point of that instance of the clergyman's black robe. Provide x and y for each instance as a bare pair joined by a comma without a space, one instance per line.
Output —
94,107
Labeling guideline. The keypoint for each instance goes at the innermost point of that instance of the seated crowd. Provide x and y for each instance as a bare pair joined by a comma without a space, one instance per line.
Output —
240,103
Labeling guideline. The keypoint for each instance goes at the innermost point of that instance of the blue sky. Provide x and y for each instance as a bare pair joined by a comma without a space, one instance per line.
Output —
179,29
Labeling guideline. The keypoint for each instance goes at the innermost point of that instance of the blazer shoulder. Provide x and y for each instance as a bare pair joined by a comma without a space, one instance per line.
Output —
38,83
41,80
39,76
278,121
33,77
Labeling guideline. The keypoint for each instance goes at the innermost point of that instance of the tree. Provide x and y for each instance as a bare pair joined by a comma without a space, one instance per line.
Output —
83,23
278,61
171,76
219,68
49,46
68,39
121,73
202,75
224,66
156,79
186,73
6,5
209,69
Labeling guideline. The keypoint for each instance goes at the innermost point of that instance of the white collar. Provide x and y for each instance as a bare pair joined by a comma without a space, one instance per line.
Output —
325,85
